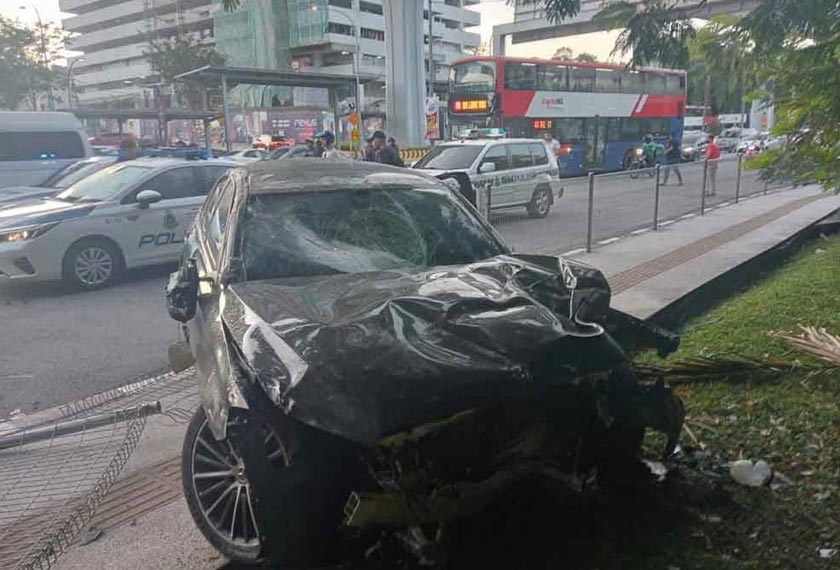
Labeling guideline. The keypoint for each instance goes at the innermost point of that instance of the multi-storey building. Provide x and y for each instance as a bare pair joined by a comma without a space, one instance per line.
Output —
114,34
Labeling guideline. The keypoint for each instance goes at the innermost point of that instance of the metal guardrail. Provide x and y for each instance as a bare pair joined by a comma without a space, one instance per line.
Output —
601,207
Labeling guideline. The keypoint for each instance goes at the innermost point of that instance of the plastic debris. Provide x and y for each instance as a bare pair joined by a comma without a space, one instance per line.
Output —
91,534
827,553
751,474
658,470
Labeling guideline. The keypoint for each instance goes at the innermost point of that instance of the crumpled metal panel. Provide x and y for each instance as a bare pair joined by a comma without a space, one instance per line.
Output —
364,355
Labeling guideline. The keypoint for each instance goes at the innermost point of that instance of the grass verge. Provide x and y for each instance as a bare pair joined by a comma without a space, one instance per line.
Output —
792,423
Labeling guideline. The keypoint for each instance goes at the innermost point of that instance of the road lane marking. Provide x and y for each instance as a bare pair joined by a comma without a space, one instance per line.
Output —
666,223
573,252
687,216
640,232
608,241
722,204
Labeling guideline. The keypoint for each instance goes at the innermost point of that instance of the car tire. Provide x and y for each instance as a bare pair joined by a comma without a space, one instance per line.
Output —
92,263
199,450
540,203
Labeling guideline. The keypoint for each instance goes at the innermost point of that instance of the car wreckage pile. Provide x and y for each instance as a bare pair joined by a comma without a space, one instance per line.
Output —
407,403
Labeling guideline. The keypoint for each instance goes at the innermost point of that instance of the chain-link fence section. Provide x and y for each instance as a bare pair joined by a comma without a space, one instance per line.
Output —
594,210
54,477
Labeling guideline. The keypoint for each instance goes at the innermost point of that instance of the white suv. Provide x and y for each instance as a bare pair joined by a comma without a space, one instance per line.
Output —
521,172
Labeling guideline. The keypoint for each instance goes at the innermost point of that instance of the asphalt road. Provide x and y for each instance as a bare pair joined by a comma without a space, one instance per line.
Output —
57,345
621,205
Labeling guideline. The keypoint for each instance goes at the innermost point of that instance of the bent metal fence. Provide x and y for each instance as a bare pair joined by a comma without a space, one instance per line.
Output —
54,476
601,208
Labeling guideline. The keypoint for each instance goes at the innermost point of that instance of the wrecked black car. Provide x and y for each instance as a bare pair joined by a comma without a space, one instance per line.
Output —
375,362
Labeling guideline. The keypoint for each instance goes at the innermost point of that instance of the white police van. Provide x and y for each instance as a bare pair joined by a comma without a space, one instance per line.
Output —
131,214
520,172
35,145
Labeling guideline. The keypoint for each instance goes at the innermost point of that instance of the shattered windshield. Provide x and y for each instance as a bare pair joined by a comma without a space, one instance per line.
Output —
358,230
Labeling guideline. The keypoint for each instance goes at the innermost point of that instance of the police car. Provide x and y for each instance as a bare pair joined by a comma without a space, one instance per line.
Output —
131,214
520,172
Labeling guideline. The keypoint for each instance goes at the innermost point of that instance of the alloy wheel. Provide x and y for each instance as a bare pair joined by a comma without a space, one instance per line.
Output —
221,487
94,266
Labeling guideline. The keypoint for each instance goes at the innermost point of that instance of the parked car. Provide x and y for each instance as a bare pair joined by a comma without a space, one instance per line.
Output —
62,179
273,142
693,145
127,215
246,156
520,172
33,146
371,356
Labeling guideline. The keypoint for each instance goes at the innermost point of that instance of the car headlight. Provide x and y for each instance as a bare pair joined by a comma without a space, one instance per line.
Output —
687,149
639,152
25,233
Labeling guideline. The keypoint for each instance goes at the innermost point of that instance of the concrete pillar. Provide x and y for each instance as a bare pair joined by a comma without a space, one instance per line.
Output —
404,73
498,47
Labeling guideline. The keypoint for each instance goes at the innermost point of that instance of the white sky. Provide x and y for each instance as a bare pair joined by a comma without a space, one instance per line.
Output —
493,12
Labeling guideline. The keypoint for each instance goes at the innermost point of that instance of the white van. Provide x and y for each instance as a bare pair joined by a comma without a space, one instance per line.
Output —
35,145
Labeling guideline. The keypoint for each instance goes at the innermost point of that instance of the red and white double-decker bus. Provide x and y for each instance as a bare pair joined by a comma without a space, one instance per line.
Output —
598,112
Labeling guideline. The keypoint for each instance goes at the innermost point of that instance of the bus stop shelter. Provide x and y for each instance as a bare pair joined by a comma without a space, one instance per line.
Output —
229,77
162,116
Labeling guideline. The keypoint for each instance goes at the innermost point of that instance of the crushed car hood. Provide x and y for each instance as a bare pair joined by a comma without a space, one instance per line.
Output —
369,354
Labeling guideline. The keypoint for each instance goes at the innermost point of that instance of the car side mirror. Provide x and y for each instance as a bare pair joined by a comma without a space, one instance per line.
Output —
487,167
147,197
182,292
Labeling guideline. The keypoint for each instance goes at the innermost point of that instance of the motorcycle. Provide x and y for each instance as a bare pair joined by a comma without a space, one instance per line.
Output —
639,164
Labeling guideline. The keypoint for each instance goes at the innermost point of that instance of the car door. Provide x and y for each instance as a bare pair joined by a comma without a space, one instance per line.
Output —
206,331
498,155
521,173
155,234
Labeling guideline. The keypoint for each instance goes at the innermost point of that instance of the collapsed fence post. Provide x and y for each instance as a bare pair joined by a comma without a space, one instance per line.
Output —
738,178
589,212
703,192
656,200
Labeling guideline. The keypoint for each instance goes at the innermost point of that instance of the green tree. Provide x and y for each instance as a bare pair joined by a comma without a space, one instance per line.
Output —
586,57
563,53
27,62
174,56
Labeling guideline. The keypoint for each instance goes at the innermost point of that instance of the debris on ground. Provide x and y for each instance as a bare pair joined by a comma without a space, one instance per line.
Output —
751,474
90,535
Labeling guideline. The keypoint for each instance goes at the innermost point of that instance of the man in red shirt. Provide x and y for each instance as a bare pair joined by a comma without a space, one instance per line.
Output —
712,155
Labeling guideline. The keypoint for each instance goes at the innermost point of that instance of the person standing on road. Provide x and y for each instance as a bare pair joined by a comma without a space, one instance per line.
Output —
552,144
383,153
328,141
672,160
712,156
366,153
128,150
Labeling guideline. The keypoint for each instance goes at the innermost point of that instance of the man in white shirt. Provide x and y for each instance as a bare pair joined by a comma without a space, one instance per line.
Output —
552,144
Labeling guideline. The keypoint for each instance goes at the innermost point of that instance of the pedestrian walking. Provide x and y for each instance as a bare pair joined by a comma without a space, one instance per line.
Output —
552,144
712,156
383,153
673,156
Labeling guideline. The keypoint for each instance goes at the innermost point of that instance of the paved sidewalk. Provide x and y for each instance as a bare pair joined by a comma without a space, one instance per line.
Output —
145,521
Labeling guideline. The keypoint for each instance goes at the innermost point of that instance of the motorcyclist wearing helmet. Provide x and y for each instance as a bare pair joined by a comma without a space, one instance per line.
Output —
328,141
651,150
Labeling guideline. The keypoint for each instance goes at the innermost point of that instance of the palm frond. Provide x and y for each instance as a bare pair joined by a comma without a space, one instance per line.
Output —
814,341
727,369
230,5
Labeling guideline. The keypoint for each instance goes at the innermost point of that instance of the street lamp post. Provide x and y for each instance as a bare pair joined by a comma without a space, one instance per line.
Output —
44,54
357,56
70,85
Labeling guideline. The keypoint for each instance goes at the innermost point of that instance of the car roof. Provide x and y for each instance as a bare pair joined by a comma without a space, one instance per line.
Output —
163,162
483,142
321,174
